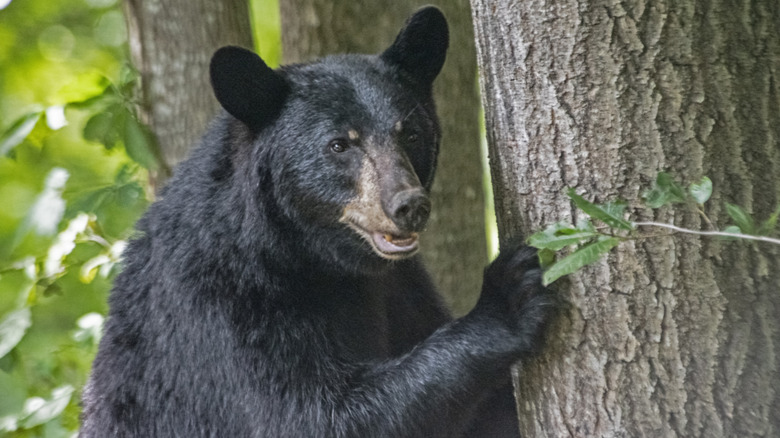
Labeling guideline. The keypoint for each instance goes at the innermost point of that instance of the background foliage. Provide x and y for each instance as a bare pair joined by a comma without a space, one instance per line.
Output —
73,181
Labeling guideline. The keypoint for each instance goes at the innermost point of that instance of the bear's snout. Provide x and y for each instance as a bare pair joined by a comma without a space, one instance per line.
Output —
409,209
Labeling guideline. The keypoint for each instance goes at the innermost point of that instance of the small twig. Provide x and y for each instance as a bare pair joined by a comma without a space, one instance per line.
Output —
706,218
649,236
91,237
708,233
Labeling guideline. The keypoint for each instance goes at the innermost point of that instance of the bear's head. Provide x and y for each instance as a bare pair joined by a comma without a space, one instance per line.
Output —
344,147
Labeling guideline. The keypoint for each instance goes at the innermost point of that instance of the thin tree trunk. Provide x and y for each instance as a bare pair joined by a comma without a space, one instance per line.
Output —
671,336
454,246
171,43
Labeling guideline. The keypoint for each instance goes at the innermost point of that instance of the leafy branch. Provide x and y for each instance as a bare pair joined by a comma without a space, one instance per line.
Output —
591,243
114,121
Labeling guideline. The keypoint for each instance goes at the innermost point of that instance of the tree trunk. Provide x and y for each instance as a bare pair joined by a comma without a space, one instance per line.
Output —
670,336
171,43
454,247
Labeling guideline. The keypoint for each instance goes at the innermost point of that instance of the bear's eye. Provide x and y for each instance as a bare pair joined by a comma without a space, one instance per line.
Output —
338,145
413,138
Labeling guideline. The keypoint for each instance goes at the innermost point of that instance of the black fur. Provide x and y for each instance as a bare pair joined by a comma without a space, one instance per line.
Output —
247,309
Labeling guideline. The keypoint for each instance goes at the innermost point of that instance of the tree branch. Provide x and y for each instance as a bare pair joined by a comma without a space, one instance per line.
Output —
708,233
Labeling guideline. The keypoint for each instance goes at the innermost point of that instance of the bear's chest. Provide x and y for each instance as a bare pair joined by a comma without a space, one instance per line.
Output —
357,327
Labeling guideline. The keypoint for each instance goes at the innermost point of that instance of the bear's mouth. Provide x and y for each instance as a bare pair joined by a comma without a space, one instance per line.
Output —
389,245
395,245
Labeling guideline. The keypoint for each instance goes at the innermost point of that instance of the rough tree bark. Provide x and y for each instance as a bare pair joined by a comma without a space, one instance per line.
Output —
454,246
671,336
171,43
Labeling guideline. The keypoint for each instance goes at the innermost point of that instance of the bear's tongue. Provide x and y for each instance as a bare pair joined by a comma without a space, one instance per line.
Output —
394,244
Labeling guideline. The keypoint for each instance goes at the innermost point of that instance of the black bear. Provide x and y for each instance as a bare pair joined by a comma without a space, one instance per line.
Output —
274,290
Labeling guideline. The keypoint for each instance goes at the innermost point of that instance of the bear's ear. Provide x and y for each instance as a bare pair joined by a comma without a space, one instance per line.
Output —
246,87
421,46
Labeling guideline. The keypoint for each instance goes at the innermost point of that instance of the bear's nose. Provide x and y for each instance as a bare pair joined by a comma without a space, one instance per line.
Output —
409,209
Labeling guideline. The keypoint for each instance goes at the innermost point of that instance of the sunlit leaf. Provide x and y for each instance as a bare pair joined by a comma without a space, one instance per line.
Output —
611,214
116,250
64,244
55,117
583,256
741,218
13,328
90,268
90,328
701,190
46,212
8,423
99,101
38,411
18,131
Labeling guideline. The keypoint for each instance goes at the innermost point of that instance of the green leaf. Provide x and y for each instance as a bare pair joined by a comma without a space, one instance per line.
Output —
546,257
128,76
655,198
138,143
740,218
664,191
13,328
107,97
769,225
667,183
585,224
130,194
102,128
584,256
701,191
615,209
90,201
559,235
18,131
611,214
88,103
125,174
733,229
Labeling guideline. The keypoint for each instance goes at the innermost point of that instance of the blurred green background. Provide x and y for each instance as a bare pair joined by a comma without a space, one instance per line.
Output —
73,181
